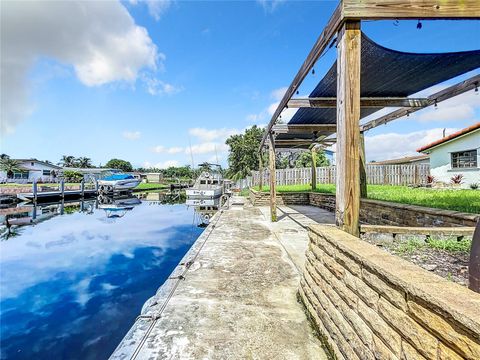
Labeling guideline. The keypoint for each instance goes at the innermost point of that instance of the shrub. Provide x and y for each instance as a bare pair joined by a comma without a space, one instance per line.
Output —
474,186
72,176
456,179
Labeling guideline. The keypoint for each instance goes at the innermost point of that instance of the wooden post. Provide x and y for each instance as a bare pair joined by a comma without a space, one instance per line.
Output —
260,171
62,188
314,169
82,188
273,194
363,168
348,128
34,190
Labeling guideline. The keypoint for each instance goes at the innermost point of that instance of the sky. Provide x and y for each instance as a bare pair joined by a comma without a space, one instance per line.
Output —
164,83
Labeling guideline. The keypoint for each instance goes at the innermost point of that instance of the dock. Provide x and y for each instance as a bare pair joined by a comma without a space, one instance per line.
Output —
40,195
234,294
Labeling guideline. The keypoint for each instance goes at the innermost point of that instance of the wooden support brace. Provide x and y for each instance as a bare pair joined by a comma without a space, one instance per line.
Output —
314,169
260,171
363,167
273,194
348,129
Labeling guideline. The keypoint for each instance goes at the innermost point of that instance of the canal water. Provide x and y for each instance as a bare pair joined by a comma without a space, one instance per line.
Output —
73,280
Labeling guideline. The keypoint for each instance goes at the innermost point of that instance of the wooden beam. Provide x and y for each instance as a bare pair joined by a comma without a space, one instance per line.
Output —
348,130
314,169
363,168
437,97
260,171
320,45
273,194
304,128
331,102
410,9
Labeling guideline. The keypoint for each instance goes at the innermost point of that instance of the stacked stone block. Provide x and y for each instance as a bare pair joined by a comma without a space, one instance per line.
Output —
368,304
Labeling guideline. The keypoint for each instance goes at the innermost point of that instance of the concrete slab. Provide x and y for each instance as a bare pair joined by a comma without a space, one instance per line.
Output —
237,300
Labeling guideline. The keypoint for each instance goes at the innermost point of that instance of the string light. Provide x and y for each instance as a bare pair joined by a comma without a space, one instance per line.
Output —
298,92
419,25
476,88
313,72
436,105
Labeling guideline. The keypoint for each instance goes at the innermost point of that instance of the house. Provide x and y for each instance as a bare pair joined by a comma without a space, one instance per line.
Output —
406,160
32,169
154,177
91,173
454,154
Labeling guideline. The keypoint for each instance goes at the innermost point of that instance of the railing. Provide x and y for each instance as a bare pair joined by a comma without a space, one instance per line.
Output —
414,174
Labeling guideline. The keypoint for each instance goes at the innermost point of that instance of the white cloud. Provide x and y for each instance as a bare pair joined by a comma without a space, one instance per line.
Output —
156,86
254,118
159,149
267,113
156,8
269,6
209,135
207,148
277,94
132,135
161,165
395,145
461,107
175,150
100,41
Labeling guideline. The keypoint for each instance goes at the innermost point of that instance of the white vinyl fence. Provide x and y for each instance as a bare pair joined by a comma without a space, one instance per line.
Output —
414,174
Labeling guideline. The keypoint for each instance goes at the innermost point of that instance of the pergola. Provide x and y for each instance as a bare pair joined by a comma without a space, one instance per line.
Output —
365,78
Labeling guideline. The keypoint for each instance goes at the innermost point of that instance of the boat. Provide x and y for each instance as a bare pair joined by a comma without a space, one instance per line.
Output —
207,185
117,207
117,183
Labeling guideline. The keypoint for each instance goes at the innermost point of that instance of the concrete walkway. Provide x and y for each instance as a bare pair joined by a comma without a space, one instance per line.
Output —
237,300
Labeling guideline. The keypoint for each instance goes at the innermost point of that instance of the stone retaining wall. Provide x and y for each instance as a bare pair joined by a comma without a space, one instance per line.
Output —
375,212
368,304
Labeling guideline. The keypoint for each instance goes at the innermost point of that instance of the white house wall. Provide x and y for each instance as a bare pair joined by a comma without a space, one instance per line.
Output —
441,162
35,171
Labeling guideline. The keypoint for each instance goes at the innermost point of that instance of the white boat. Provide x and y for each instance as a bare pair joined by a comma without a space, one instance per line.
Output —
207,185
118,182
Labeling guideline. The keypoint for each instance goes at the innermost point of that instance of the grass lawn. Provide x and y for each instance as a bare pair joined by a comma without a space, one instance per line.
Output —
149,186
458,200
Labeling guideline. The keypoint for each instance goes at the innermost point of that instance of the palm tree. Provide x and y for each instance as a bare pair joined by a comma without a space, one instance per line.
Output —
84,162
10,166
67,161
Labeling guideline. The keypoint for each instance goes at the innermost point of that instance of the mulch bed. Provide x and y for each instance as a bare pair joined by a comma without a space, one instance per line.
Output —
449,265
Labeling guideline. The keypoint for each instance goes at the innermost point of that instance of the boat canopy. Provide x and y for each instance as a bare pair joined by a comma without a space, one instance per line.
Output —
119,177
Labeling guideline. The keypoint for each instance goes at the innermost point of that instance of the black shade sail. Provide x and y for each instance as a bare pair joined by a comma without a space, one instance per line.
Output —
389,73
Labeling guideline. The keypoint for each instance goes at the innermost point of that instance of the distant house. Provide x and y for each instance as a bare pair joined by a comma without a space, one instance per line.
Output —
454,154
153,177
406,160
32,169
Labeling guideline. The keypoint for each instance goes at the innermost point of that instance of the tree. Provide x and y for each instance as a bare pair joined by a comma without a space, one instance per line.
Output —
10,166
243,156
119,164
72,176
67,161
305,159
84,162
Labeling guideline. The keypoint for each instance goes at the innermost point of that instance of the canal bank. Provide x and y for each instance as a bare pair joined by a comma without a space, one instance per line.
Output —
234,295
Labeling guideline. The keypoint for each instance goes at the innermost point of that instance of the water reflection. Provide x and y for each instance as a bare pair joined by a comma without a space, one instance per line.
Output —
72,283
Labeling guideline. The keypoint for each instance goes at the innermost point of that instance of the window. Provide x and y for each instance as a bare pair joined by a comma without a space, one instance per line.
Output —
20,175
32,163
46,173
464,159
